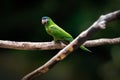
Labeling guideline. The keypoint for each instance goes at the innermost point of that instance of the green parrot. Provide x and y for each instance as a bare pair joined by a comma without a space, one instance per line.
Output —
58,33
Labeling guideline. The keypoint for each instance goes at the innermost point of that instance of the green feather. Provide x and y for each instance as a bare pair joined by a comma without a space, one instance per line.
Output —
58,33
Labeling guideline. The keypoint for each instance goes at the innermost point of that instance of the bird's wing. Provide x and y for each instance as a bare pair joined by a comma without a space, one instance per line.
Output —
60,34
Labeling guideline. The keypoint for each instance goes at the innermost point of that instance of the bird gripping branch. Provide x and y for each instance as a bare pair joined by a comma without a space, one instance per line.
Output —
57,32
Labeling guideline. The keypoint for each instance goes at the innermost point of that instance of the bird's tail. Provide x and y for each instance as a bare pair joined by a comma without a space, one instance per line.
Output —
85,49
82,47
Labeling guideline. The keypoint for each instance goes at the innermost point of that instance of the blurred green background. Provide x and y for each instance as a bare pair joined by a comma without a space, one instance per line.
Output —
20,20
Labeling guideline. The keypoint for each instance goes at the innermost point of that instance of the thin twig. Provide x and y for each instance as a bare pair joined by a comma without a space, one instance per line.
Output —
98,25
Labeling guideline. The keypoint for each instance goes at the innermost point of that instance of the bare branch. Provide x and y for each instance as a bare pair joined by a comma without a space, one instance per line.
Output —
52,45
102,41
98,25
31,45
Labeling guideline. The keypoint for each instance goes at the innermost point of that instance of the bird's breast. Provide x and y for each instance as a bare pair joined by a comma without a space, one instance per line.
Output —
50,31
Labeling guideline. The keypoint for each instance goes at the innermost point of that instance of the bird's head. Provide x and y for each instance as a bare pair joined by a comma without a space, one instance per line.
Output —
45,20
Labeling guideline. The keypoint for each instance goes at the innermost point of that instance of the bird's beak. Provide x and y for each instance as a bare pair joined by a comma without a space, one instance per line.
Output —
43,21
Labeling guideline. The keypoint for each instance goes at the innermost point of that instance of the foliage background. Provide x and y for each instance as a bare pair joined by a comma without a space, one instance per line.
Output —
20,20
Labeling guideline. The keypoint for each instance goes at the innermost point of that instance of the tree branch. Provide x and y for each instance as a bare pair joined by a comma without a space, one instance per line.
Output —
98,25
102,41
52,45
31,45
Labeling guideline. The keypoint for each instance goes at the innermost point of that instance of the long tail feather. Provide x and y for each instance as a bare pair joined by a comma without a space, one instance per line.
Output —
84,48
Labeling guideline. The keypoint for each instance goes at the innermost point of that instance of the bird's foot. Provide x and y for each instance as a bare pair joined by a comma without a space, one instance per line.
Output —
56,42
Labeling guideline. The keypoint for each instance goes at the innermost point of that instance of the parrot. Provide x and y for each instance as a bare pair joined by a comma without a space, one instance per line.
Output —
57,32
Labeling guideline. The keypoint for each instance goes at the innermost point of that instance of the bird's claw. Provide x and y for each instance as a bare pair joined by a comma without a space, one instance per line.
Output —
56,42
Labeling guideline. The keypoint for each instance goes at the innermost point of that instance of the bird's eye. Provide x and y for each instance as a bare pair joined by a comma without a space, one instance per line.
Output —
44,18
